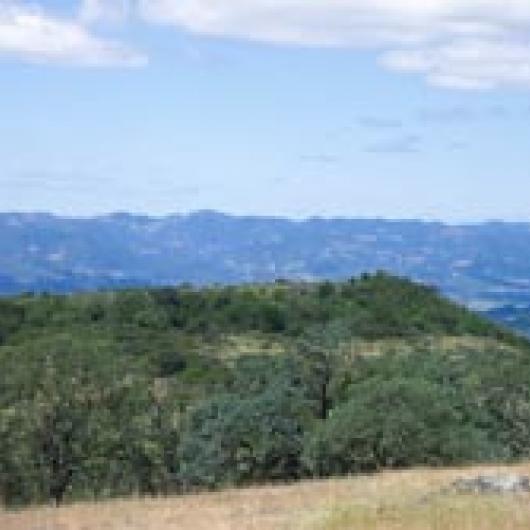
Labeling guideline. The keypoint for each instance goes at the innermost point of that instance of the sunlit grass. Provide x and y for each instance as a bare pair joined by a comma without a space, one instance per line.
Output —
408,500
450,513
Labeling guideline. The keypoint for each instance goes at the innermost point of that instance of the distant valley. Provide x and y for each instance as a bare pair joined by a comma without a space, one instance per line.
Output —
486,266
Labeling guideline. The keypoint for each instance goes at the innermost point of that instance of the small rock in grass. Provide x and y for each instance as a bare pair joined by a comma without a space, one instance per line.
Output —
492,484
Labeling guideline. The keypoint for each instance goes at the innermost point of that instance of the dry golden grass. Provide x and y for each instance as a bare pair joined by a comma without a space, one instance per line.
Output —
409,500
237,345
443,344
234,346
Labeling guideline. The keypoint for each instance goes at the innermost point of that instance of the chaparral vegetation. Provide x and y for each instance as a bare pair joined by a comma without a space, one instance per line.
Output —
180,390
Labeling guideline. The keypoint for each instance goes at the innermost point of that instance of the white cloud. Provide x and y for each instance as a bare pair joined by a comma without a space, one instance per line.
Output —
28,33
454,43
467,64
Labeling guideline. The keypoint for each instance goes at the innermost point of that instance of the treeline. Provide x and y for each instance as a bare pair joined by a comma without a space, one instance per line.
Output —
372,306
123,393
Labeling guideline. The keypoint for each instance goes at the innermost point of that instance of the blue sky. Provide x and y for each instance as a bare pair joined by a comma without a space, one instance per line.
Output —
165,106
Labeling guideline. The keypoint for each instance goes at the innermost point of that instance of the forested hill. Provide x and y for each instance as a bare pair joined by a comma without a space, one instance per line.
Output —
485,265
369,307
173,390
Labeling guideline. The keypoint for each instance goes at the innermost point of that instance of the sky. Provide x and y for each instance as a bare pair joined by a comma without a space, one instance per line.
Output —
299,108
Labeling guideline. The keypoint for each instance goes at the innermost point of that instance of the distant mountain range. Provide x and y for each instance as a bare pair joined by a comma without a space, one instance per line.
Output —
486,266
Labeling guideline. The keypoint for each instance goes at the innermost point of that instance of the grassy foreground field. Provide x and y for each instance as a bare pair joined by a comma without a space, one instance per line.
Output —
408,500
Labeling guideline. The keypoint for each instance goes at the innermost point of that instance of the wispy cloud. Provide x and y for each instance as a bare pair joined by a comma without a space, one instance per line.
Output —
446,115
405,144
379,122
46,180
30,34
466,114
105,10
323,159
459,44
458,145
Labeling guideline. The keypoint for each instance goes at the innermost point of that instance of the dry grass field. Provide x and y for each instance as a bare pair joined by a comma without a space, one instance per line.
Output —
408,500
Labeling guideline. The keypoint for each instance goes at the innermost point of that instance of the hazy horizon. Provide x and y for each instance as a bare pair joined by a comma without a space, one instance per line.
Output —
162,216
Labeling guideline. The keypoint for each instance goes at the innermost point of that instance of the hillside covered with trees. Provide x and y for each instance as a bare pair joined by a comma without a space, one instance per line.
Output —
180,389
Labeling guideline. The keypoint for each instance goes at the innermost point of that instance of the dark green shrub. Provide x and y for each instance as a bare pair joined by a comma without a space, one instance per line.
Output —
230,441
395,424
